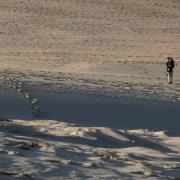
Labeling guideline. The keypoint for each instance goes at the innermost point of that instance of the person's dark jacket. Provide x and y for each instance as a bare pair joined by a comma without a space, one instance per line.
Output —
170,66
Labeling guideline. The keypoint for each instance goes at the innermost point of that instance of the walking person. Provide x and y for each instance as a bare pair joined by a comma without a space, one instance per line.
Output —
170,66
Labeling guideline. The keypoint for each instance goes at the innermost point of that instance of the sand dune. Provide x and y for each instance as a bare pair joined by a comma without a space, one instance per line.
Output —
40,148
36,33
55,150
116,42
107,48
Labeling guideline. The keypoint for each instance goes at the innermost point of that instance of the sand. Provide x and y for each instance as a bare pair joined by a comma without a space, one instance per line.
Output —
44,149
110,48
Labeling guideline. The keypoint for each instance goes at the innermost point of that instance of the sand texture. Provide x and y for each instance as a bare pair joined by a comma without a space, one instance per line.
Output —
108,48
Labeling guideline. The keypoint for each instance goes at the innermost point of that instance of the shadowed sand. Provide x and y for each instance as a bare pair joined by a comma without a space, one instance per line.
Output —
84,92
97,144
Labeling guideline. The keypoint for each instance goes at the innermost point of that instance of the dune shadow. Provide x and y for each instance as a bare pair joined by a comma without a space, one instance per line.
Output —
93,110
146,143
99,138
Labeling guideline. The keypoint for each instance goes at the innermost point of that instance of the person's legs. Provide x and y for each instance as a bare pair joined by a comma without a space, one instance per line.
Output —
170,77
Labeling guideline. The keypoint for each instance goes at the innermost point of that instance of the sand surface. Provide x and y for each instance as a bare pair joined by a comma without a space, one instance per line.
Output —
107,48
120,45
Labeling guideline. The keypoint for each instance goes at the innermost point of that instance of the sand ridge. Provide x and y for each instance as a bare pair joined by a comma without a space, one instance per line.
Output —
65,151
108,47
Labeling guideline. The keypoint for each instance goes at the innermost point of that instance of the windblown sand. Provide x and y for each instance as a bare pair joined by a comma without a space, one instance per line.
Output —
104,46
